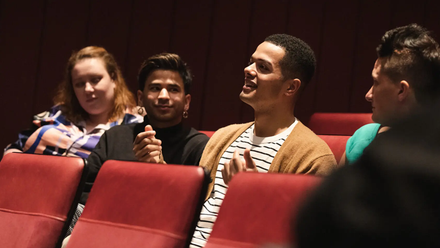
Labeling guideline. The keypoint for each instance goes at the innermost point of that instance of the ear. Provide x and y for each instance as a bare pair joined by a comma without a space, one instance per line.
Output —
293,86
187,102
140,98
404,91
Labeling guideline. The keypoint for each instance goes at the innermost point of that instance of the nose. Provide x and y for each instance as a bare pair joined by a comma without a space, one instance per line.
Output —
250,70
163,94
369,95
88,87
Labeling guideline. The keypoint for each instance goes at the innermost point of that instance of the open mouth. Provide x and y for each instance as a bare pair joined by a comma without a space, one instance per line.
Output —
248,84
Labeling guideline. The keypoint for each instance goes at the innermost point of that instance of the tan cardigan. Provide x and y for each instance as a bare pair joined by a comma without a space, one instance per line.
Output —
303,152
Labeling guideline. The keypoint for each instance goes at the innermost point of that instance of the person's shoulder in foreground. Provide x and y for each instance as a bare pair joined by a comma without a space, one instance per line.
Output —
388,198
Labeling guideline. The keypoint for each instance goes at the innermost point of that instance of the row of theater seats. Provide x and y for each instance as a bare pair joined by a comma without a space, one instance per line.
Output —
336,128
139,205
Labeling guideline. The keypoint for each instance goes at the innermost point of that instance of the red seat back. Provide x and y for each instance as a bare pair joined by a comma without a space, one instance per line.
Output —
336,143
208,133
38,194
258,209
136,204
338,123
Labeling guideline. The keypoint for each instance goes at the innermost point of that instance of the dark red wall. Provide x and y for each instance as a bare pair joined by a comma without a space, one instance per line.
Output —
215,37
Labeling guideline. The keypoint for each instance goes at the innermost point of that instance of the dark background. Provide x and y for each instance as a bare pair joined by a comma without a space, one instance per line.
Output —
215,37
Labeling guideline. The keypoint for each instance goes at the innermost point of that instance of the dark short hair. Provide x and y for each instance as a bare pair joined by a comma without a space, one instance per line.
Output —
165,61
412,55
299,59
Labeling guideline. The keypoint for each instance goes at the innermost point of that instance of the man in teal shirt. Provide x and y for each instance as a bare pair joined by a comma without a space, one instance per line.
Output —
406,77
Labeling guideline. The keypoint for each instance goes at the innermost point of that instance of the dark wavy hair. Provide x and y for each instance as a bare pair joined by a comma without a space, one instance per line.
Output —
66,97
412,55
165,61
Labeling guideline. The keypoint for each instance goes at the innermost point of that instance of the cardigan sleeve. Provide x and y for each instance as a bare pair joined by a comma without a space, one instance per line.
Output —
304,152
323,165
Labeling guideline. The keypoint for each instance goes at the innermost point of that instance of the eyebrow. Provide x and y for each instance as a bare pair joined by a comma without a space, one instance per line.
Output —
271,65
92,74
172,85
261,60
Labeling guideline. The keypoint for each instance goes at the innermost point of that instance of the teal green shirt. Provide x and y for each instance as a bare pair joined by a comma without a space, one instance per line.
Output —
361,138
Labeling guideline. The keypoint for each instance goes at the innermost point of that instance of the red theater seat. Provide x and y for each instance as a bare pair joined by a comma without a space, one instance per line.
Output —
338,123
336,143
208,133
258,209
138,205
38,193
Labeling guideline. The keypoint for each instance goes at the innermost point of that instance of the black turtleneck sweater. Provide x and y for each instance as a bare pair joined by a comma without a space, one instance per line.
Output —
180,145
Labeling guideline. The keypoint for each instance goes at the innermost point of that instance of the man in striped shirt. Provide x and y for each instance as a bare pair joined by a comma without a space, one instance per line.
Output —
275,141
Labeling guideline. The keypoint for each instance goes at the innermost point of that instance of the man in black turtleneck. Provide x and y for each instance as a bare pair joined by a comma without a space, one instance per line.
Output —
164,84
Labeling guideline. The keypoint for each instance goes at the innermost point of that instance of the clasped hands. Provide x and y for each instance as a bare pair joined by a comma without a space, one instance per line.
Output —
147,148
237,164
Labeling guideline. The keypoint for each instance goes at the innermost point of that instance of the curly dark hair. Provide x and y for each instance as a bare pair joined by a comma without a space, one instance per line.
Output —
299,60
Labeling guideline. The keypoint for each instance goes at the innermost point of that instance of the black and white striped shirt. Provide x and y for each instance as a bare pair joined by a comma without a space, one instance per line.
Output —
263,150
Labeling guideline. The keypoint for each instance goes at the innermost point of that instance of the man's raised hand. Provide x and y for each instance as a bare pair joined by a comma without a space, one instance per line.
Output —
237,164
146,147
